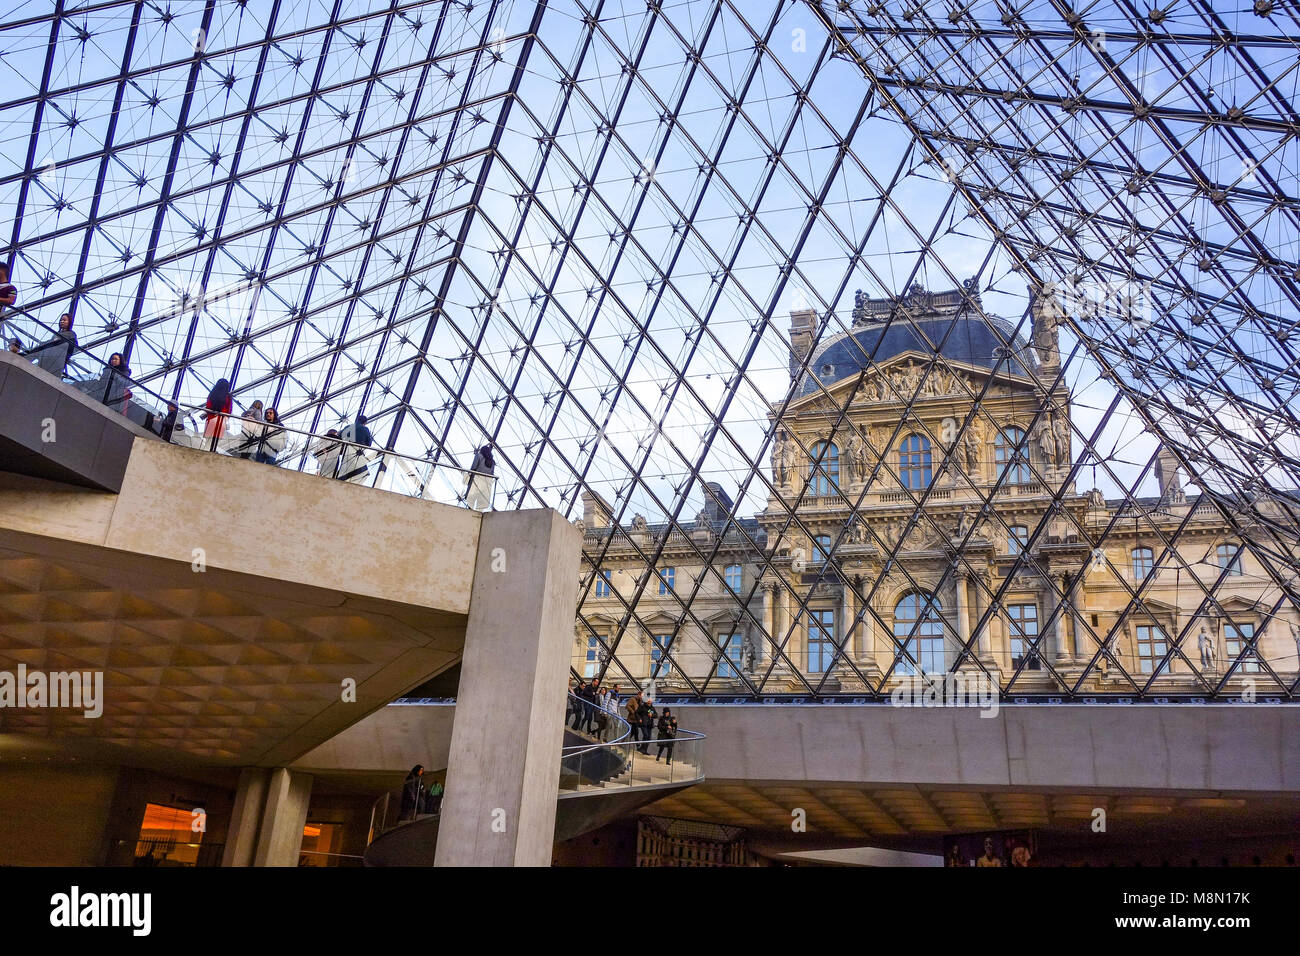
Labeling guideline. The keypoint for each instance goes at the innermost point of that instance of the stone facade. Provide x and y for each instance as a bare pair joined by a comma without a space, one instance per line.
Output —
853,460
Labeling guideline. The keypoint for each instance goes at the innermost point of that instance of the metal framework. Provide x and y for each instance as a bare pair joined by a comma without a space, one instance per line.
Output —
574,229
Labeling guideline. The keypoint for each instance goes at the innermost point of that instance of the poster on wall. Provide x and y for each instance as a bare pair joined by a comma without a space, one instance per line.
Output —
998,848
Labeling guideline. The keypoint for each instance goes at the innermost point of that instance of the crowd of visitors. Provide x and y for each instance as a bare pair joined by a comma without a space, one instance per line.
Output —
591,706
260,436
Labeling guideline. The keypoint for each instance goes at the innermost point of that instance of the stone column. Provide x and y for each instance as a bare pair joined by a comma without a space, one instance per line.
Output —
267,820
846,617
1062,625
769,608
503,770
963,608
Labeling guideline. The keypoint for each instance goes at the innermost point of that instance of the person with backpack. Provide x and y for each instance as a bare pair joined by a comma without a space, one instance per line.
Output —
667,731
647,715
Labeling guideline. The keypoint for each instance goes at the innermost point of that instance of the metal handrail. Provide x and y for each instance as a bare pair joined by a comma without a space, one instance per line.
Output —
230,443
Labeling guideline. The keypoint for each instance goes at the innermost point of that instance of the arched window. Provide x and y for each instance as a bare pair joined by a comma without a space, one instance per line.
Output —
821,548
1009,456
914,462
825,469
918,630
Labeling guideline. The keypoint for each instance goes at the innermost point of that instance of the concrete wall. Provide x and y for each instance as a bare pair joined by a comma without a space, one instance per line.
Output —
265,521
1253,747
55,815
1238,748
391,740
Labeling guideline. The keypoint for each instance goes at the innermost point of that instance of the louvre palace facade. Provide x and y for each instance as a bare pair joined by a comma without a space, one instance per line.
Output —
926,516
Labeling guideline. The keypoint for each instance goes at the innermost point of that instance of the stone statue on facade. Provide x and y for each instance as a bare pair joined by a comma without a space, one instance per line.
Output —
1205,644
851,449
783,460
1048,316
748,654
1047,441
972,443
1295,636
1096,499
1061,432
639,524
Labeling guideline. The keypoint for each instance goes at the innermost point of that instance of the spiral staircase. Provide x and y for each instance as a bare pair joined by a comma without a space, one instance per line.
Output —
599,782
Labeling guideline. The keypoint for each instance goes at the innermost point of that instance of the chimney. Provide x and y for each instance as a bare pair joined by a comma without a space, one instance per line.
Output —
802,325
595,510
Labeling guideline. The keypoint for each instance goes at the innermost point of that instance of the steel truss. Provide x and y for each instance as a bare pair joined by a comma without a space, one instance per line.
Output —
575,229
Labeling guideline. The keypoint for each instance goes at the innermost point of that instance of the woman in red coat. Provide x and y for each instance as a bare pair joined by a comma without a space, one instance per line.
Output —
218,407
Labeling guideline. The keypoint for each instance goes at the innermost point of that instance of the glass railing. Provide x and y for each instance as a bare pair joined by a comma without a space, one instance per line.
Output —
405,804
624,762
235,435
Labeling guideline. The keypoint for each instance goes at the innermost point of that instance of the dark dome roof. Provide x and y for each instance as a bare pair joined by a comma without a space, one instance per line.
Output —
966,338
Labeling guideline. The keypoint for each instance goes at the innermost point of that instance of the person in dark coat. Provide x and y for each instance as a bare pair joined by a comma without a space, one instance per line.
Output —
219,406
112,388
411,791
647,715
580,693
479,481
667,731
353,460
52,356
168,424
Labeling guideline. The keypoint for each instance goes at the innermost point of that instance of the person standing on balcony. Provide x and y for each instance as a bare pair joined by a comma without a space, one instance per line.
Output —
667,731
219,405
479,481
53,355
326,452
411,793
112,388
251,428
271,441
356,439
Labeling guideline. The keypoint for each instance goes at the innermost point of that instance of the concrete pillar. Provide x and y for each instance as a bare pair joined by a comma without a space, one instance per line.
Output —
503,770
279,838
246,817
267,820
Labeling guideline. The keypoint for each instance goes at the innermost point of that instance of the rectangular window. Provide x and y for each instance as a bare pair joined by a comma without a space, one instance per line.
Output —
166,835
1017,538
666,578
593,658
602,584
1143,563
1024,635
732,575
1239,642
729,646
1152,645
1229,556
821,548
821,641
660,665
